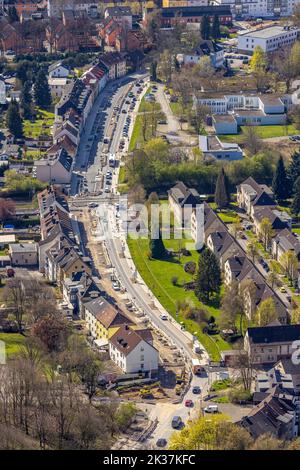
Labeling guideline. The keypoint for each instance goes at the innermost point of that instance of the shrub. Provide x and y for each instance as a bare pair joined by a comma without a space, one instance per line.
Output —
238,395
190,267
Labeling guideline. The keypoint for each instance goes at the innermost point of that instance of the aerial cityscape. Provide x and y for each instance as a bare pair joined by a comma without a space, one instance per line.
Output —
149,226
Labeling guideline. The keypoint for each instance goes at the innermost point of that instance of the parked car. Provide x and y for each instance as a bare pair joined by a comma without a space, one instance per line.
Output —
164,316
161,442
196,390
211,409
176,422
189,403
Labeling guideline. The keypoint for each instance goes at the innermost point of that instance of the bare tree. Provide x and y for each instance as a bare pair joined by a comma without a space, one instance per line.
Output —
252,140
7,209
15,296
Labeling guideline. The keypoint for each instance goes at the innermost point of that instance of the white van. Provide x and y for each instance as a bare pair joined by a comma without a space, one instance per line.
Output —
211,409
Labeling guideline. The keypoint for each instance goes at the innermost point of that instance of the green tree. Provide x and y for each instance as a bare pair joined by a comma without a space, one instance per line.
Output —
42,94
289,262
265,232
252,249
296,199
26,100
266,312
205,27
13,120
293,171
153,70
208,277
215,30
231,306
222,193
258,60
279,184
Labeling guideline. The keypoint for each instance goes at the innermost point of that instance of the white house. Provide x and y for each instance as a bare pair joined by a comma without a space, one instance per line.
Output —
259,8
210,145
55,169
23,254
269,39
58,70
131,352
57,86
205,48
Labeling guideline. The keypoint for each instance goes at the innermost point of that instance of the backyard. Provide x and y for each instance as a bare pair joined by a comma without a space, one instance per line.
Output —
41,125
264,132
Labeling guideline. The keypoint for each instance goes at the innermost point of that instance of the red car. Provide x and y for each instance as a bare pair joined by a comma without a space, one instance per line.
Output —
189,403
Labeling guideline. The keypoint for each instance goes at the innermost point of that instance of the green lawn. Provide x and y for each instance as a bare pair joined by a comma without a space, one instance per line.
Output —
13,342
228,216
34,154
41,125
158,275
148,106
264,132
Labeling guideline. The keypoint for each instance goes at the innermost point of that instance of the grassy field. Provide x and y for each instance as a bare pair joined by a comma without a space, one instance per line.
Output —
13,342
228,216
158,275
41,125
264,132
34,154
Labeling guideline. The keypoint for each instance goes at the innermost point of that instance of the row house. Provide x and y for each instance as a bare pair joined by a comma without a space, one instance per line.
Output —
284,375
251,195
237,267
56,168
279,219
193,15
129,345
284,241
276,415
63,260
55,222
115,63
269,344
80,288
181,202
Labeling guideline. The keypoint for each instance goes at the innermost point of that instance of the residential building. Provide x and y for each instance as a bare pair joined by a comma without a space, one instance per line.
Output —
103,319
279,219
57,86
284,241
81,288
23,254
284,375
223,245
115,62
193,15
275,415
121,15
184,3
181,201
269,344
58,70
63,260
206,48
269,39
55,222
55,169
251,195
246,9
131,352
211,146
